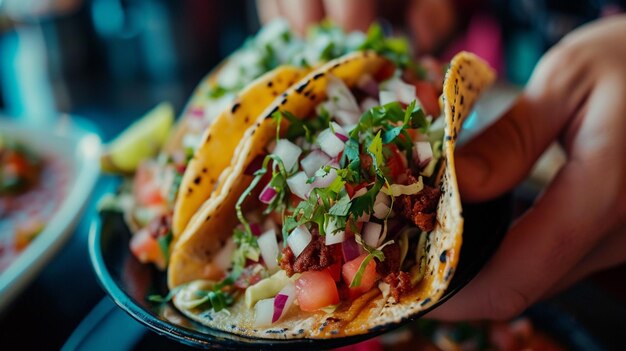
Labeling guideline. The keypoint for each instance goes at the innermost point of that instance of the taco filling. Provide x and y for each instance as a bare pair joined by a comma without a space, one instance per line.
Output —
167,190
339,205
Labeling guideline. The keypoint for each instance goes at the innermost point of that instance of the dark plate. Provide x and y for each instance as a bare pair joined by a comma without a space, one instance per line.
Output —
128,282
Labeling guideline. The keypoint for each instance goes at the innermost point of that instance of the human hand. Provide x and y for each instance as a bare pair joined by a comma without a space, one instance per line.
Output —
577,95
350,14
429,22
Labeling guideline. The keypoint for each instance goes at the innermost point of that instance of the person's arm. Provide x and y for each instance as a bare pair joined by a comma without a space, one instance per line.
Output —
577,95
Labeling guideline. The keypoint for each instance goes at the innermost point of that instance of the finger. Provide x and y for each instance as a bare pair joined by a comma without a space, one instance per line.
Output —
502,156
609,254
301,13
558,231
534,253
351,14
267,10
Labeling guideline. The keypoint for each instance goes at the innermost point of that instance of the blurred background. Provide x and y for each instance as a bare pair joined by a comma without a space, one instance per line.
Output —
111,60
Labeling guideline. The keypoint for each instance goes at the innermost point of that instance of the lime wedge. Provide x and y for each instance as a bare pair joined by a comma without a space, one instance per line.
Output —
141,140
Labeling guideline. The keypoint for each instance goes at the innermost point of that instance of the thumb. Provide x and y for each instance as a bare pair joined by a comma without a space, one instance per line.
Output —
502,155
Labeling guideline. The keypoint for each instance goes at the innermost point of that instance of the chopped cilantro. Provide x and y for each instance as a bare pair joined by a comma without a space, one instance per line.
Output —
164,244
217,91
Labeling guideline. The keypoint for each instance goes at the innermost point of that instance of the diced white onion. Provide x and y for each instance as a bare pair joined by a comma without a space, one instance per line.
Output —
269,249
333,236
325,180
327,106
380,210
223,259
368,103
403,92
382,197
299,239
330,143
263,312
371,233
347,117
288,152
386,97
340,94
314,161
298,185
423,153
339,131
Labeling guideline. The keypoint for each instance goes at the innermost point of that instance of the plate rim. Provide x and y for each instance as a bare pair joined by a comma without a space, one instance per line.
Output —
85,170
198,339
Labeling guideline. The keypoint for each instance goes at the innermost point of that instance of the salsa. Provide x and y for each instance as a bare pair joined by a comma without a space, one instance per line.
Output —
32,187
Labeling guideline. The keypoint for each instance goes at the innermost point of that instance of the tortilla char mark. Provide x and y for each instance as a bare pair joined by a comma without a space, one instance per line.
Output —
221,139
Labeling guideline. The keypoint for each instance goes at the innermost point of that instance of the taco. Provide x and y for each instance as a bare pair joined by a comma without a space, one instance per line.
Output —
279,46
167,191
341,211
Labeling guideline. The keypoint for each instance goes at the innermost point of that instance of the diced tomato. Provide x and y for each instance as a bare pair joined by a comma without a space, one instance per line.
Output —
395,163
427,93
146,190
352,189
146,248
315,290
249,276
350,232
335,271
368,279
385,72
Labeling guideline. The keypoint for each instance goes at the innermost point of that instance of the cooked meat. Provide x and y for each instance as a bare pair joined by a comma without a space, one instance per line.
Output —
421,208
286,260
315,257
400,284
391,262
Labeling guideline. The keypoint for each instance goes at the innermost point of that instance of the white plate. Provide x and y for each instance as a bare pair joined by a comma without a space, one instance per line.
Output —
79,149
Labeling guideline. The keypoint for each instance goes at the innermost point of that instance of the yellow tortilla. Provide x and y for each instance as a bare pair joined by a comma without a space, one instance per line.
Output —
222,137
212,225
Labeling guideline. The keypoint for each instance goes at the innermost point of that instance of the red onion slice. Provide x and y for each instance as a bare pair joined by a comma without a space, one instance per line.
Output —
267,195
256,229
350,249
283,301
340,132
